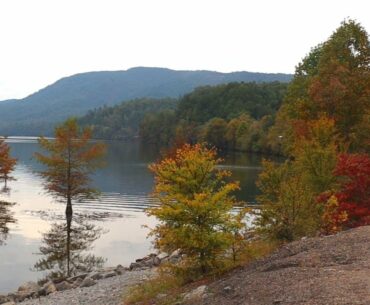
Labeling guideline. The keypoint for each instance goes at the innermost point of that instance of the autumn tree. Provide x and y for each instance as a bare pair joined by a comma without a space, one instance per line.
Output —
332,81
195,204
71,158
290,191
353,194
7,163
214,132
287,208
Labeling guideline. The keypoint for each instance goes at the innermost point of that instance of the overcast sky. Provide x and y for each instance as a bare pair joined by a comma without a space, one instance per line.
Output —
44,40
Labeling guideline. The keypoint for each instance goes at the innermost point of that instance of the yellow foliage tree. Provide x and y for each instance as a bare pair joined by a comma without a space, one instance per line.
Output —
195,208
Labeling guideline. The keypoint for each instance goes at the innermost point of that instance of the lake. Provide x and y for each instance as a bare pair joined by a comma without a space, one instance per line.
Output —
109,229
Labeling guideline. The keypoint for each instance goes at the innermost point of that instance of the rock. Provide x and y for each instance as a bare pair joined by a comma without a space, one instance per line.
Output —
156,261
63,286
136,266
228,289
174,257
8,303
196,294
4,299
94,275
120,269
162,255
175,253
109,274
29,287
58,280
87,282
77,282
74,278
48,288
22,295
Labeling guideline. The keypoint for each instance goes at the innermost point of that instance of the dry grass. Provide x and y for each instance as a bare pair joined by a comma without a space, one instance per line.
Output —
167,289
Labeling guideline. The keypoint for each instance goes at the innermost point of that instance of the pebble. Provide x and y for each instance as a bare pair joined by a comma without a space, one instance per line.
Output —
107,291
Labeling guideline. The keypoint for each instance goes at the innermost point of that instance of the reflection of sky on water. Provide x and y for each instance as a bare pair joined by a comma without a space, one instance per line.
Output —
125,183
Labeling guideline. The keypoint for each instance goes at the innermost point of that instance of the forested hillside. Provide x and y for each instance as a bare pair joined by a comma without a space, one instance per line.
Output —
75,95
122,121
233,116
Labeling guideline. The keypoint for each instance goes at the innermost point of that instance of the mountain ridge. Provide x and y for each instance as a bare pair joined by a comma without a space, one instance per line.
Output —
76,94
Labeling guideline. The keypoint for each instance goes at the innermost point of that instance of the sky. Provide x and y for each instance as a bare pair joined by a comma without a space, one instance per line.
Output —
42,41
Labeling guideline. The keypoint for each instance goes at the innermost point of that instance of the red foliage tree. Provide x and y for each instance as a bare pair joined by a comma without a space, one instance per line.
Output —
7,163
353,197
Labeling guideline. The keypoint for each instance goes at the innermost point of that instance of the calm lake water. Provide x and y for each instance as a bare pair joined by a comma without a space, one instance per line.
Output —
111,228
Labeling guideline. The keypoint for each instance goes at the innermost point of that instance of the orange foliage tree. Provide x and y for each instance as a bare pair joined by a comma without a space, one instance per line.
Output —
70,160
7,163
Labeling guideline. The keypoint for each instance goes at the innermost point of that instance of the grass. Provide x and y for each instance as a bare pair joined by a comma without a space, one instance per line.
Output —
167,289
153,290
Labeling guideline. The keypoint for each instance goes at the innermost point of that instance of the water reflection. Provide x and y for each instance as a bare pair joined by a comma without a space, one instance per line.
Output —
6,218
125,184
66,247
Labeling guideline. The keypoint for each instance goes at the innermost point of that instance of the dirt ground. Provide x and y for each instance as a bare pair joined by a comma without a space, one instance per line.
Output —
332,270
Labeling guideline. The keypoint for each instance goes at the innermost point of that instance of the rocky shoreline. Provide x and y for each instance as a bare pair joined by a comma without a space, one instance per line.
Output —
141,269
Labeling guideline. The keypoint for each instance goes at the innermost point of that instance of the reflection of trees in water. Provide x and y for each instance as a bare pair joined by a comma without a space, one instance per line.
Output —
65,249
6,218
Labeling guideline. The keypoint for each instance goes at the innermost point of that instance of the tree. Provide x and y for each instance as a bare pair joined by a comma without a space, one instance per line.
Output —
290,191
214,132
195,204
353,195
7,163
71,159
288,210
332,81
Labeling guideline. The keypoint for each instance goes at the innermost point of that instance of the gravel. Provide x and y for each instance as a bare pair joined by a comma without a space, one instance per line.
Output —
109,291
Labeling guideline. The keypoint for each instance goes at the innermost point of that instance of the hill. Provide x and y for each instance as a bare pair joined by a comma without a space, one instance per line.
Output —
330,270
158,120
122,121
75,95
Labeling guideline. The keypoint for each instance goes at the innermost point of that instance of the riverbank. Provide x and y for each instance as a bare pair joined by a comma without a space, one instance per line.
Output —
110,283
330,270
107,291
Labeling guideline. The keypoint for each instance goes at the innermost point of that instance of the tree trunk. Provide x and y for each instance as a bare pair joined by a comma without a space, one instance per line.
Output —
69,213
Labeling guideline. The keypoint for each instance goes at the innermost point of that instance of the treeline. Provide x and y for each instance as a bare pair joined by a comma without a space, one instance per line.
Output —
123,121
234,116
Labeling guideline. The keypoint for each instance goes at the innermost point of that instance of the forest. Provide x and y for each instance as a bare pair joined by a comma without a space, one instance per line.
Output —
234,116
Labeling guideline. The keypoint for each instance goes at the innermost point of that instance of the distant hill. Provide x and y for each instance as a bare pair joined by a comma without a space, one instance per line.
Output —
75,95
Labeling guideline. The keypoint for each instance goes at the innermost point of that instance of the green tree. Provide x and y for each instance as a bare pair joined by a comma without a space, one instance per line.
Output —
214,132
287,209
289,205
194,209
